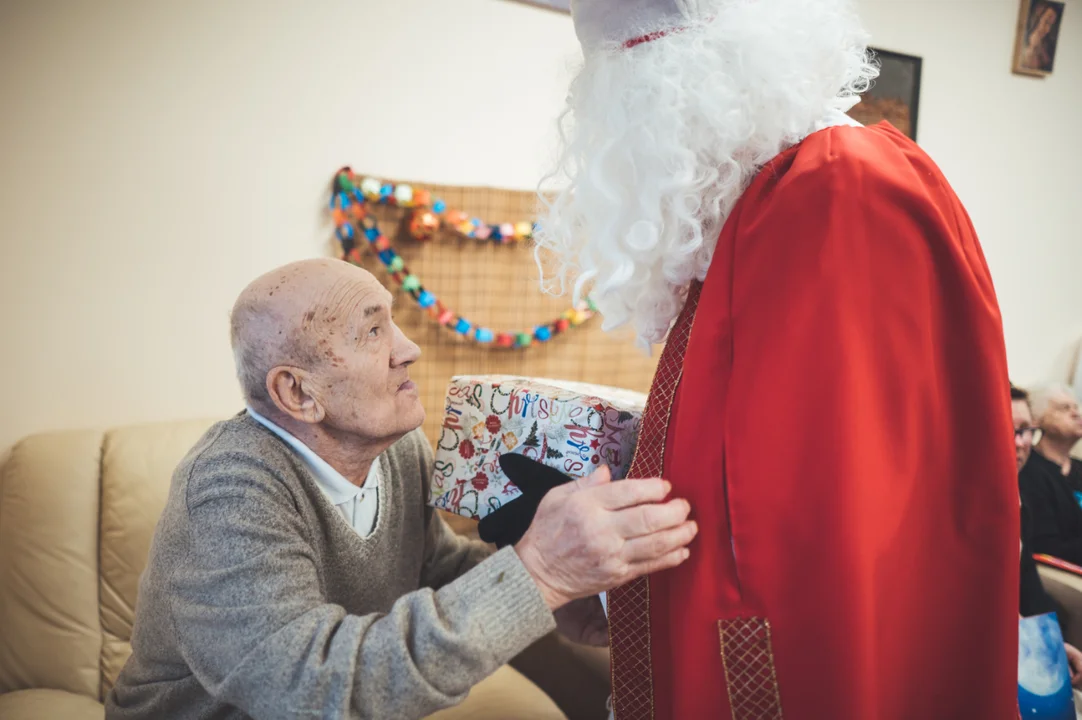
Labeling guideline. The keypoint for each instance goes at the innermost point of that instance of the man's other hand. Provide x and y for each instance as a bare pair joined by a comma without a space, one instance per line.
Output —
591,535
584,621
1074,662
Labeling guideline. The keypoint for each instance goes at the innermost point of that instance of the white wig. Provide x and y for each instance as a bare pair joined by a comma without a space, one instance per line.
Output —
678,104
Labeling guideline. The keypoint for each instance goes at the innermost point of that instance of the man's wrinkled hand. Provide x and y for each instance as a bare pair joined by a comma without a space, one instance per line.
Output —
591,535
1074,662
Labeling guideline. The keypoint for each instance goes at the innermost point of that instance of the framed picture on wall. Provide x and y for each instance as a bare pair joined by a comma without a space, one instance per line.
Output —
895,94
1038,34
563,5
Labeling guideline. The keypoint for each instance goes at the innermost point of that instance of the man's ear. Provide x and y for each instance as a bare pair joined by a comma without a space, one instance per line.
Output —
289,388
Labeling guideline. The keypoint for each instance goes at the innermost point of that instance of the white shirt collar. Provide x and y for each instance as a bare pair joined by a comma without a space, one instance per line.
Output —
835,118
333,484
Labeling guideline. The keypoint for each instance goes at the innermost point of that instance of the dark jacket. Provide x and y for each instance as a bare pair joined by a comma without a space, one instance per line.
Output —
1033,599
1056,516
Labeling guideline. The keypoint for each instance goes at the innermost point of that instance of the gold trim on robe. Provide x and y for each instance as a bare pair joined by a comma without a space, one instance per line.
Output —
629,605
747,654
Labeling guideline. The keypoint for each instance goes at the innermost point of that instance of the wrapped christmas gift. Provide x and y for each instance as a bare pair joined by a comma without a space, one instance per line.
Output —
572,427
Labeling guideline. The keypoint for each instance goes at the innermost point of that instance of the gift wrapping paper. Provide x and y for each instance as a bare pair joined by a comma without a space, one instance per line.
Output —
572,427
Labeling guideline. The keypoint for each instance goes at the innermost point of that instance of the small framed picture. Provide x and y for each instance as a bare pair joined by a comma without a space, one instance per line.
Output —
1038,33
895,95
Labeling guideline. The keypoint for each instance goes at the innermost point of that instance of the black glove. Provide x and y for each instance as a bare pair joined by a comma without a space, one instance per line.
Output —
509,523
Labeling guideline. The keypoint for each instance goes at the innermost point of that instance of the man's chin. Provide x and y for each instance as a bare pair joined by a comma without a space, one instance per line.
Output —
412,411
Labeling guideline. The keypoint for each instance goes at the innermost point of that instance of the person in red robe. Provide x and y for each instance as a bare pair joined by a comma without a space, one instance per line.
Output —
831,395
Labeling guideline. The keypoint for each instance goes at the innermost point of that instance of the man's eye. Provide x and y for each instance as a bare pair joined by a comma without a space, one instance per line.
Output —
374,332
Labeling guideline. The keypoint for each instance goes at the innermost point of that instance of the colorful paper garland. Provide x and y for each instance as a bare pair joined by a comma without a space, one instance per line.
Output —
349,206
369,189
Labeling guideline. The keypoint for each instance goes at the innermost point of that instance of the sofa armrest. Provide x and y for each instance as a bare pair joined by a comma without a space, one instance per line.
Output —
1065,587
49,705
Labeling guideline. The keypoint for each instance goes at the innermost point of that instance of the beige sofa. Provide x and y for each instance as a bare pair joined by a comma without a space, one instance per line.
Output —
77,511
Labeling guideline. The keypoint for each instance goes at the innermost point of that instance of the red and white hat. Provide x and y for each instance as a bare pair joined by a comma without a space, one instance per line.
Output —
607,23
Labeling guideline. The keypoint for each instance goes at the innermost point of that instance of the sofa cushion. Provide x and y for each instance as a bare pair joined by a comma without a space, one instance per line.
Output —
49,705
137,466
50,633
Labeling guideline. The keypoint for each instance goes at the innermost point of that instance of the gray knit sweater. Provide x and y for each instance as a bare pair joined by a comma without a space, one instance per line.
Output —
260,601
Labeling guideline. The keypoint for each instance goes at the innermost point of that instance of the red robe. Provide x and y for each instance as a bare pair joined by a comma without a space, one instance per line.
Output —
840,423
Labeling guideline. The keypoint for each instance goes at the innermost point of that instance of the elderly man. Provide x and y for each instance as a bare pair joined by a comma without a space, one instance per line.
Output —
296,571
1051,480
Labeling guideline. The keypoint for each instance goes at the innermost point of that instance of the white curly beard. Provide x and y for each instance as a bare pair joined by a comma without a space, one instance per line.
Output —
660,140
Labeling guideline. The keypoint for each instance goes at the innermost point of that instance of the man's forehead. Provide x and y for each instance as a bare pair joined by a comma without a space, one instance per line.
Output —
377,302
345,299
1020,409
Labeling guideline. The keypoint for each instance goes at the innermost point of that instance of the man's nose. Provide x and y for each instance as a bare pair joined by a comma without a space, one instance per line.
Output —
406,352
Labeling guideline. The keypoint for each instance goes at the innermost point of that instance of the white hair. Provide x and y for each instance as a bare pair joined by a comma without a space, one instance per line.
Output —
250,353
659,141
1043,395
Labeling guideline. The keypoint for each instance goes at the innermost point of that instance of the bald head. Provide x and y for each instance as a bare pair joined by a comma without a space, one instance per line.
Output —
1056,411
1046,397
291,315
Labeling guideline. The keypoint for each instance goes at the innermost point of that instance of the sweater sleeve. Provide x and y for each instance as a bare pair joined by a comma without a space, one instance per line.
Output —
256,632
447,554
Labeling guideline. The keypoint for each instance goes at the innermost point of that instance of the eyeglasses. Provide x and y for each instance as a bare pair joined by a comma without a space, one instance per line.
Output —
1029,434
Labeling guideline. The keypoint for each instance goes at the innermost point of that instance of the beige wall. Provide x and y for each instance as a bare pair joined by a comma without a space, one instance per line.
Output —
154,157
1011,147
